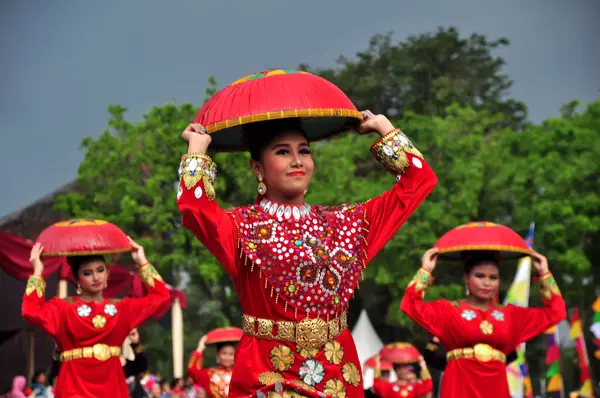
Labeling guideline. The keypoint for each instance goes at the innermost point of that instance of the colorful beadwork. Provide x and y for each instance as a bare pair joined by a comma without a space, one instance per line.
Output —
269,73
314,263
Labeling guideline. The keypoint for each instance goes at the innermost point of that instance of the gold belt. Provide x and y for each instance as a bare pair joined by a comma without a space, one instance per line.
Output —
482,352
101,352
308,333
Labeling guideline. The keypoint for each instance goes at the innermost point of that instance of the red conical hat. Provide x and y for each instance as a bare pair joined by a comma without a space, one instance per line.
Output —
481,236
400,353
223,335
322,107
372,363
80,237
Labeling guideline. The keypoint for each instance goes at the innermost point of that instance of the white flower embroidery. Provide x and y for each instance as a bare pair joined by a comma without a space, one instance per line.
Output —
469,315
312,372
84,310
110,309
498,315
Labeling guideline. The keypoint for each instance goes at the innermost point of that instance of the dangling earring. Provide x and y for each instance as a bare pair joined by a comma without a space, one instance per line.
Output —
78,290
262,188
467,290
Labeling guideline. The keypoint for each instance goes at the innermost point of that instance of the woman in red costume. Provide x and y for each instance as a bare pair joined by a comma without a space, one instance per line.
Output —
89,329
477,333
295,266
407,383
215,381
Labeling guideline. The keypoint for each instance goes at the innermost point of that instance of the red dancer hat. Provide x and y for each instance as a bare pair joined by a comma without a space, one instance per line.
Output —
481,236
224,335
81,237
372,363
324,110
400,353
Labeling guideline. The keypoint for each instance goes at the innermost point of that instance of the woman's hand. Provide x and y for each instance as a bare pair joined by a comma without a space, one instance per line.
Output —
35,260
430,259
197,138
201,344
375,123
137,253
540,263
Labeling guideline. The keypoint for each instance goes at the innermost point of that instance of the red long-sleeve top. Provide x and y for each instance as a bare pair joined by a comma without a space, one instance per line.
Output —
289,262
74,323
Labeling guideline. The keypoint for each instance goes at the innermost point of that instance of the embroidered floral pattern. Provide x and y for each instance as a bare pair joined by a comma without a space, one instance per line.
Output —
149,274
84,310
35,284
313,263
99,321
486,327
302,384
334,352
266,378
498,315
335,388
469,315
312,372
110,309
351,374
282,357
307,353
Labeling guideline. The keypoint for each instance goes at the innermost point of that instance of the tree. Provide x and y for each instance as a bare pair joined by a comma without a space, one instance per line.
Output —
129,177
427,73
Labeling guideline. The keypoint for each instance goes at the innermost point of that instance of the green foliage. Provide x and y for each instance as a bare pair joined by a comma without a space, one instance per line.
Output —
426,74
448,95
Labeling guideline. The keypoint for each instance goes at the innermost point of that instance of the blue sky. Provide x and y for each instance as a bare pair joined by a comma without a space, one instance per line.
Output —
63,62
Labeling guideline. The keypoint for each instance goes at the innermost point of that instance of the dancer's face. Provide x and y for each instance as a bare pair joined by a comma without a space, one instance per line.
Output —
404,372
225,356
134,336
286,166
93,276
483,281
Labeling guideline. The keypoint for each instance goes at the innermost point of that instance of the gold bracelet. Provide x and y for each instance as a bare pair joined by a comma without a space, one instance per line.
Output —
36,284
195,167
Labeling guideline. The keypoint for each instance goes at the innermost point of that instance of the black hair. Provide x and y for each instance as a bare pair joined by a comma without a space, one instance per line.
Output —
37,374
175,381
76,262
475,258
257,136
224,344
402,365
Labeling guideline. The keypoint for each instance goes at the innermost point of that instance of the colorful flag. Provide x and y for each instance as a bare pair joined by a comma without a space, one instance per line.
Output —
554,383
576,334
517,373
595,328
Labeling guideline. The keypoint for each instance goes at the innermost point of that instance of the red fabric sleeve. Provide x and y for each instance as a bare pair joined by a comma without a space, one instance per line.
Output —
140,309
382,387
211,224
429,315
424,388
47,315
530,322
385,214
197,371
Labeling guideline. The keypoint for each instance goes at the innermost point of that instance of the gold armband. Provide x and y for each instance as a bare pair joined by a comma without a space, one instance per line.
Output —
195,167
149,274
391,152
547,285
425,375
422,280
36,284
